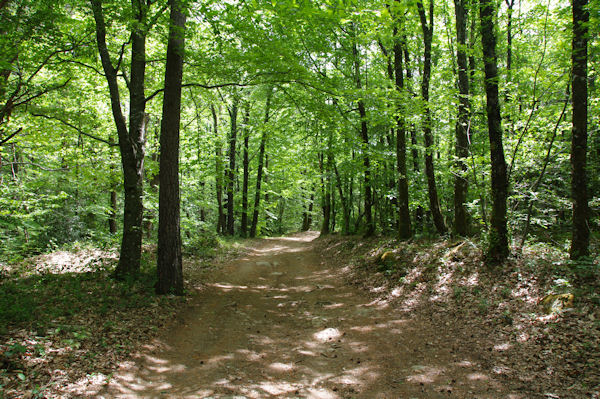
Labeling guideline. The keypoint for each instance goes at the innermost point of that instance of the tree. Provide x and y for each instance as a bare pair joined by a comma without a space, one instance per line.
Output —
581,230
131,140
404,227
259,171
498,246
461,226
169,266
434,202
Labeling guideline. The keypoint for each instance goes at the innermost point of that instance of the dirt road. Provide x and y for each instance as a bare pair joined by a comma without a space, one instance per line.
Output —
281,323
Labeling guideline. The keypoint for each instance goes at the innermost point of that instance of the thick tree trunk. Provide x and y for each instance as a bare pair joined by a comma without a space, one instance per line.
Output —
434,202
169,266
259,172
218,172
246,165
581,230
461,226
131,142
498,247
404,226
231,171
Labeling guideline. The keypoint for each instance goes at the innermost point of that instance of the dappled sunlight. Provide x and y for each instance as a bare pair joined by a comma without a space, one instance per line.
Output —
297,333
425,374
327,334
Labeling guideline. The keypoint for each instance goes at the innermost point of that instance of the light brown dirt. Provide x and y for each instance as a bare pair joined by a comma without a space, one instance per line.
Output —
281,323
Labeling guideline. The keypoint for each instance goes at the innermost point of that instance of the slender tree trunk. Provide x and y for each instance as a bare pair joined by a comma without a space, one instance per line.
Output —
498,247
581,230
325,197
364,135
461,226
169,266
307,216
404,227
246,164
231,171
112,216
434,203
218,172
259,172
131,141
343,200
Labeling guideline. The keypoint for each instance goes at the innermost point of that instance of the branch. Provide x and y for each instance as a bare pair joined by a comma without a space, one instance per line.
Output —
75,128
83,64
41,93
3,141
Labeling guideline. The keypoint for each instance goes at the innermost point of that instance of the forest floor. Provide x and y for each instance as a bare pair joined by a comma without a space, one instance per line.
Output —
308,317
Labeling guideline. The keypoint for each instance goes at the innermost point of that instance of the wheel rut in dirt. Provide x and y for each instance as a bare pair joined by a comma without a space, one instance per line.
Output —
280,322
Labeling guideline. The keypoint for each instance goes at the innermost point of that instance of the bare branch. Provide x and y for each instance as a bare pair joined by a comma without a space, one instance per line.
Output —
3,141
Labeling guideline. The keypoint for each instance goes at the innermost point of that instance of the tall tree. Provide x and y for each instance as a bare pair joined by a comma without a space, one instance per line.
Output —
404,227
259,171
498,246
131,141
169,266
462,124
233,112
218,171
364,135
581,230
434,202
246,166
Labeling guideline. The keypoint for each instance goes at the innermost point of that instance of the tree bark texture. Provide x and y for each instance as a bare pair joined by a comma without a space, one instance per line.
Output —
131,141
434,202
461,226
581,230
498,246
169,266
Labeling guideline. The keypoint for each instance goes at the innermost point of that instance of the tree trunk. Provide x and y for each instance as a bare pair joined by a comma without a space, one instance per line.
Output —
498,246
461,226
404,227
169,266
218,172
231,171
112,216
259,173
307,216
434,202
246,165
326,197
364,135
581,230
131,141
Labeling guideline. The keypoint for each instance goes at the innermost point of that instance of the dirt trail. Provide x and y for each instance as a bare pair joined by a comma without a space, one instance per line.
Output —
281,323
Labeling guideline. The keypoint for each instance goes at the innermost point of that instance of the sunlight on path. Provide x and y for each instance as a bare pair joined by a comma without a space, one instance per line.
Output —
280,323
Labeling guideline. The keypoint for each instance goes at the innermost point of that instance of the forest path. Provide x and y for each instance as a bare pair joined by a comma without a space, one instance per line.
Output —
279,322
